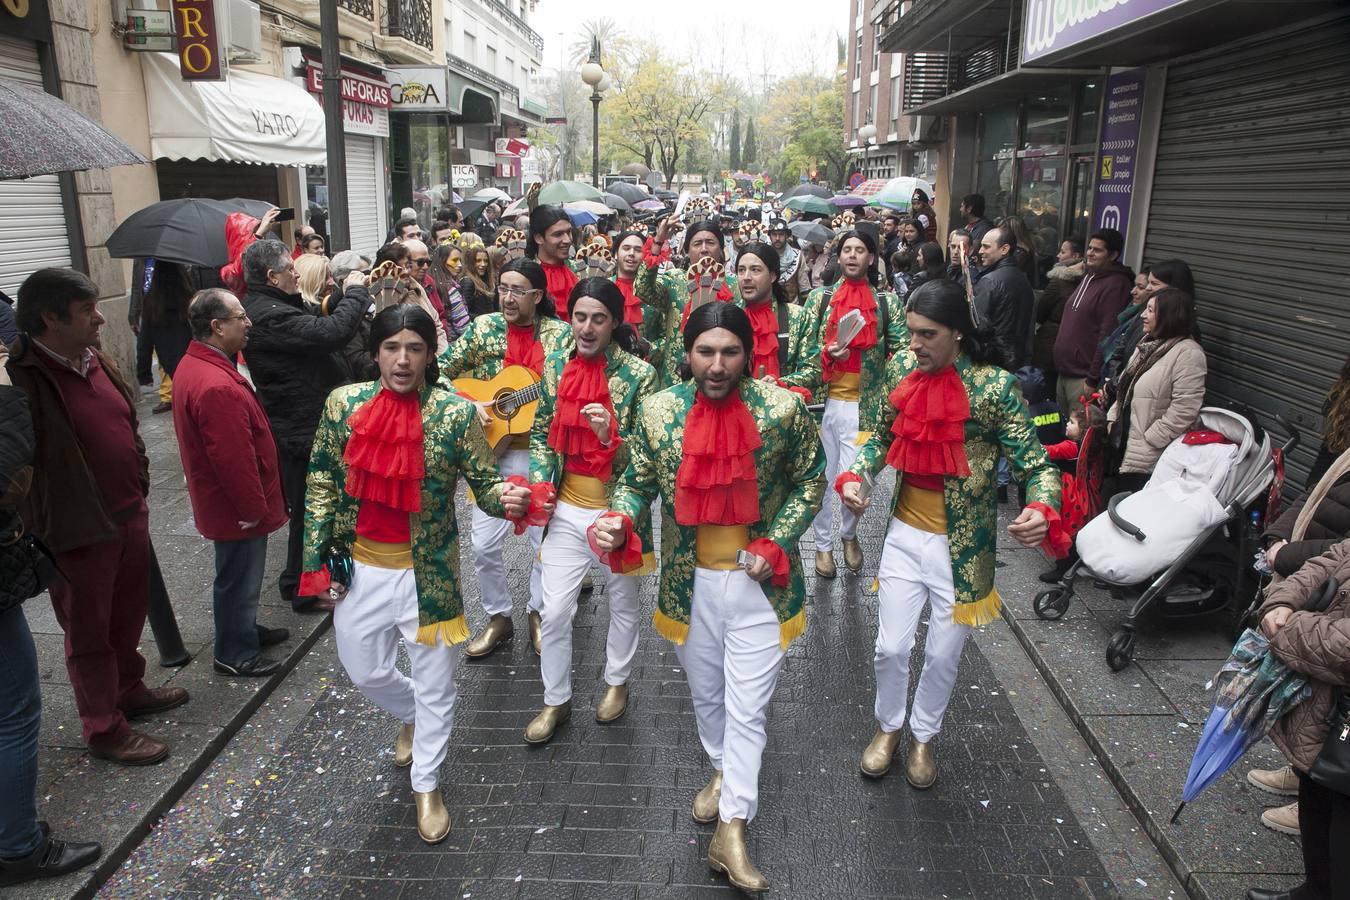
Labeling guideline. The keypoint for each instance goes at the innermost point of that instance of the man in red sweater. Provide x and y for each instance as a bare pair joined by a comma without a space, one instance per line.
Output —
87,503
1090,315
230,460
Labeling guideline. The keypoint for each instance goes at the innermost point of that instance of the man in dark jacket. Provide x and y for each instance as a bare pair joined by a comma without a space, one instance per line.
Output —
1090,315
976,222
87,503
295,360
1004,299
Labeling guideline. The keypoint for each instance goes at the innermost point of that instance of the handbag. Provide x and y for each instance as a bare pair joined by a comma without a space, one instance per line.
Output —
27,567
1331,769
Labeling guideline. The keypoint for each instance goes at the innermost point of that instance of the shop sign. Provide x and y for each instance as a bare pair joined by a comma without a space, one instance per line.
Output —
1118,150
530,170
198,40
463,176
27,19
418,88
149,30
365,100
1050,26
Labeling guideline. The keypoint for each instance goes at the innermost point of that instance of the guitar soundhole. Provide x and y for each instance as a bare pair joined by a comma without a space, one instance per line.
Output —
505,408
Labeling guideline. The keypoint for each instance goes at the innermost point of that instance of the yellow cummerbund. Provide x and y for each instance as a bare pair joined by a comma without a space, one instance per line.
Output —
845,386
583,491
381,555
715,546
921,509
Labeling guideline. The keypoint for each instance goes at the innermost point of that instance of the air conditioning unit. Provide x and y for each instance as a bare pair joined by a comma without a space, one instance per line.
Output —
243,31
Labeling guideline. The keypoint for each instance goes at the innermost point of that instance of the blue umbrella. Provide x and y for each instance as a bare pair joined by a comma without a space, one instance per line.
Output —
580,217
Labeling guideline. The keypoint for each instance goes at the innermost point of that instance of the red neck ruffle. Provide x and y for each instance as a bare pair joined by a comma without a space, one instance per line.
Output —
764,322
561,280
851,295
930,425
523,348
384,455
582,382
717,482
632,303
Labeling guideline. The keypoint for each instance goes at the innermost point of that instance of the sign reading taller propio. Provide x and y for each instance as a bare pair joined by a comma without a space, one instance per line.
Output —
198,40
1116,154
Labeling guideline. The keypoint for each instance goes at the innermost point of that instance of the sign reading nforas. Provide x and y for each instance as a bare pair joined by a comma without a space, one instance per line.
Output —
198,40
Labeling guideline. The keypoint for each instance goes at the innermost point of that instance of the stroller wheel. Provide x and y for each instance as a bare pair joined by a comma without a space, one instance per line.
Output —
1120,650
1051,604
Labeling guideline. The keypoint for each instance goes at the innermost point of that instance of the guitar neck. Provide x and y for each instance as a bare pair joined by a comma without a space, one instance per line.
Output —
524,395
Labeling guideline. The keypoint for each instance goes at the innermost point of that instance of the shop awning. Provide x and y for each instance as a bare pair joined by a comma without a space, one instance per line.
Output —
248,118
1008,87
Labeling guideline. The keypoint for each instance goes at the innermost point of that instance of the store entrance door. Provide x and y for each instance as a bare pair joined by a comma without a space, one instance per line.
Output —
1080,198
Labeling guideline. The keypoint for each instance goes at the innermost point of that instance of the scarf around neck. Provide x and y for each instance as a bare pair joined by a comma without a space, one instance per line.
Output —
385,453
764,323
583,381
717,482
632,303
930,425
561,280
851,295
523,347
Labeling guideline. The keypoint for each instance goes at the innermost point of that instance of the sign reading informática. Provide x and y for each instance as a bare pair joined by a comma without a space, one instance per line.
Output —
198,40
1118,150
1050,26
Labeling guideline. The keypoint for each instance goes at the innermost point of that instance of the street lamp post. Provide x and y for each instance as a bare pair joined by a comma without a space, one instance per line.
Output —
865,135
594,75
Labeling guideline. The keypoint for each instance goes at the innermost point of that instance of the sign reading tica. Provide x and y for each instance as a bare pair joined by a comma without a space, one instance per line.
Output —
198,40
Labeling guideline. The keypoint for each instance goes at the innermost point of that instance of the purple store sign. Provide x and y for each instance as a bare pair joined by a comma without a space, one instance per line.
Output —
1053,25
1117,150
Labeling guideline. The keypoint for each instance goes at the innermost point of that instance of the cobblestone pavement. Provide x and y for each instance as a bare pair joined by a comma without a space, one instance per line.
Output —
305,801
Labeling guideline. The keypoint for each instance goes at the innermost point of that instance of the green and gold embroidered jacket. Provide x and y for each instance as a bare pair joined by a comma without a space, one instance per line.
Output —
998,421
791,468
872,381
454,446
669,292
803,356
630,382
480,351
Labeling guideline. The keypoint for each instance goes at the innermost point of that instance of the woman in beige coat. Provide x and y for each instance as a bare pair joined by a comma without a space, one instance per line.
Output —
1161,389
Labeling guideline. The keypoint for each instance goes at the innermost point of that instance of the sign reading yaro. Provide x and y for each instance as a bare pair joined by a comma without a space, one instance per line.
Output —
198,40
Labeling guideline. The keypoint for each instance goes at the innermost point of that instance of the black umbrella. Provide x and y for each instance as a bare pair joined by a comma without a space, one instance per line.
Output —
471,208
190,231
43,135
615,202
807,190
630,192
667,195
811,232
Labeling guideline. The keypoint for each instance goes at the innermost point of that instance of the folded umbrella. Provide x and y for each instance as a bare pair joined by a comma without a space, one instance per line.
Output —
44,135
190,231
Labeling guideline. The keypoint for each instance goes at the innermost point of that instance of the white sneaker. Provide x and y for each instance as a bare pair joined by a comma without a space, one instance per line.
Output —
1281,781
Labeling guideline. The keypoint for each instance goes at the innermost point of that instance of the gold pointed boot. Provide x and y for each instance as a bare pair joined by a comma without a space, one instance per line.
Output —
704,809
921,767
433,819
499,628
536,633
825,564
876,759
541,727
403,746
853,557
613,704
728,854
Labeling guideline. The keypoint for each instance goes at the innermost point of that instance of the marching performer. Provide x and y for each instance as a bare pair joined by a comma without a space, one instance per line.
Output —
579,448
786,352
952,412
737,464
649,320
522,334
380,499
853,376
550,243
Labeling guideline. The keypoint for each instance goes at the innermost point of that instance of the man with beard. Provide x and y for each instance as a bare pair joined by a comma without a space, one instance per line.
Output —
788,257
549,242
737,464
647,320
785,352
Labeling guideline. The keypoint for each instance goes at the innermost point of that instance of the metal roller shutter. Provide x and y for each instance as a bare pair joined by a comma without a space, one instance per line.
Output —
363,195
1252,188
32,217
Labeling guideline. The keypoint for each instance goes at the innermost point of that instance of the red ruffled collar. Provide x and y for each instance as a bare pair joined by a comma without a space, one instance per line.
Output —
582,383
717,483
385,455
561,280
764,323
930,424
632,303
523,348
850,295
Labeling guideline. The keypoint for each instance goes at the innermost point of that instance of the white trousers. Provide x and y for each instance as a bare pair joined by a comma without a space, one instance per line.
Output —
731,658
380,607
916,569
839,437
489,536
567,558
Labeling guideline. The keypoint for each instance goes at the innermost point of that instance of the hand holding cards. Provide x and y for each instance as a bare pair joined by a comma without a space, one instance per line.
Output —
850,323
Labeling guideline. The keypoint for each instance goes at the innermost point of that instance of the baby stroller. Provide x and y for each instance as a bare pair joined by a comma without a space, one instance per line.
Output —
1179,547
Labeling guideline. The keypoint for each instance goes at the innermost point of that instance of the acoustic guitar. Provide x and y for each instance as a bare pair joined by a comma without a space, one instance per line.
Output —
512,397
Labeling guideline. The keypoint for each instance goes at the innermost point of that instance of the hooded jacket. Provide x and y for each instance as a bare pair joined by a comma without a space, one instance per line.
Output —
1061,282
1089,316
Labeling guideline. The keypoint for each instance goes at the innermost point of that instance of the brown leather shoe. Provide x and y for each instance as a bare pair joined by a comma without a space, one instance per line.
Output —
135,749
156,700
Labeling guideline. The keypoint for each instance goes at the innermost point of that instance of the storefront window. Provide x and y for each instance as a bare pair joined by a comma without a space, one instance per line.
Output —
428,166
1040,201
1047,128
994,176
1089,106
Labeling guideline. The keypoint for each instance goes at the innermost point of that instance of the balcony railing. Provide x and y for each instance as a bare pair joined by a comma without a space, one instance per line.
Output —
930,76
517,24
411,20
363,8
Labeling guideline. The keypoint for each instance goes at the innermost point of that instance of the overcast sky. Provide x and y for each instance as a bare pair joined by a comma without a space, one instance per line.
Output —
753,37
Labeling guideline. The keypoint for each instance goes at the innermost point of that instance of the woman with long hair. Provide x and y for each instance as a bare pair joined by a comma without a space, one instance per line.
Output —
478,282
316,280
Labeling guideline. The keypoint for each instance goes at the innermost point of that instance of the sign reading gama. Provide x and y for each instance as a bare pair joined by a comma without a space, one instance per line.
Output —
1050,26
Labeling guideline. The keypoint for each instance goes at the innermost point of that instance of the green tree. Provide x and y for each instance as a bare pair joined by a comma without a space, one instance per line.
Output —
748,153
734,161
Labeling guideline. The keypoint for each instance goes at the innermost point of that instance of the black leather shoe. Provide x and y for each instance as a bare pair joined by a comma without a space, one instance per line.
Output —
268,637
257,667
50,860
1264,894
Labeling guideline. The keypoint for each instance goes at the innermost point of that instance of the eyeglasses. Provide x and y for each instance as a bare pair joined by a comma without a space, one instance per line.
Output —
505,290
239,318
424,261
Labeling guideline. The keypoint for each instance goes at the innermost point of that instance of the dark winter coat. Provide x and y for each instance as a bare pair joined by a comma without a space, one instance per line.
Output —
1329,526
1005,302
16,451
225,443
295,358
1316,645
1089,316
1060,283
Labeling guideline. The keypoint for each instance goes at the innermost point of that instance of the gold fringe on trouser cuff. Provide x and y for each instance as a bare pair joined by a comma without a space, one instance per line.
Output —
981,612
455,631
668,628
794,627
